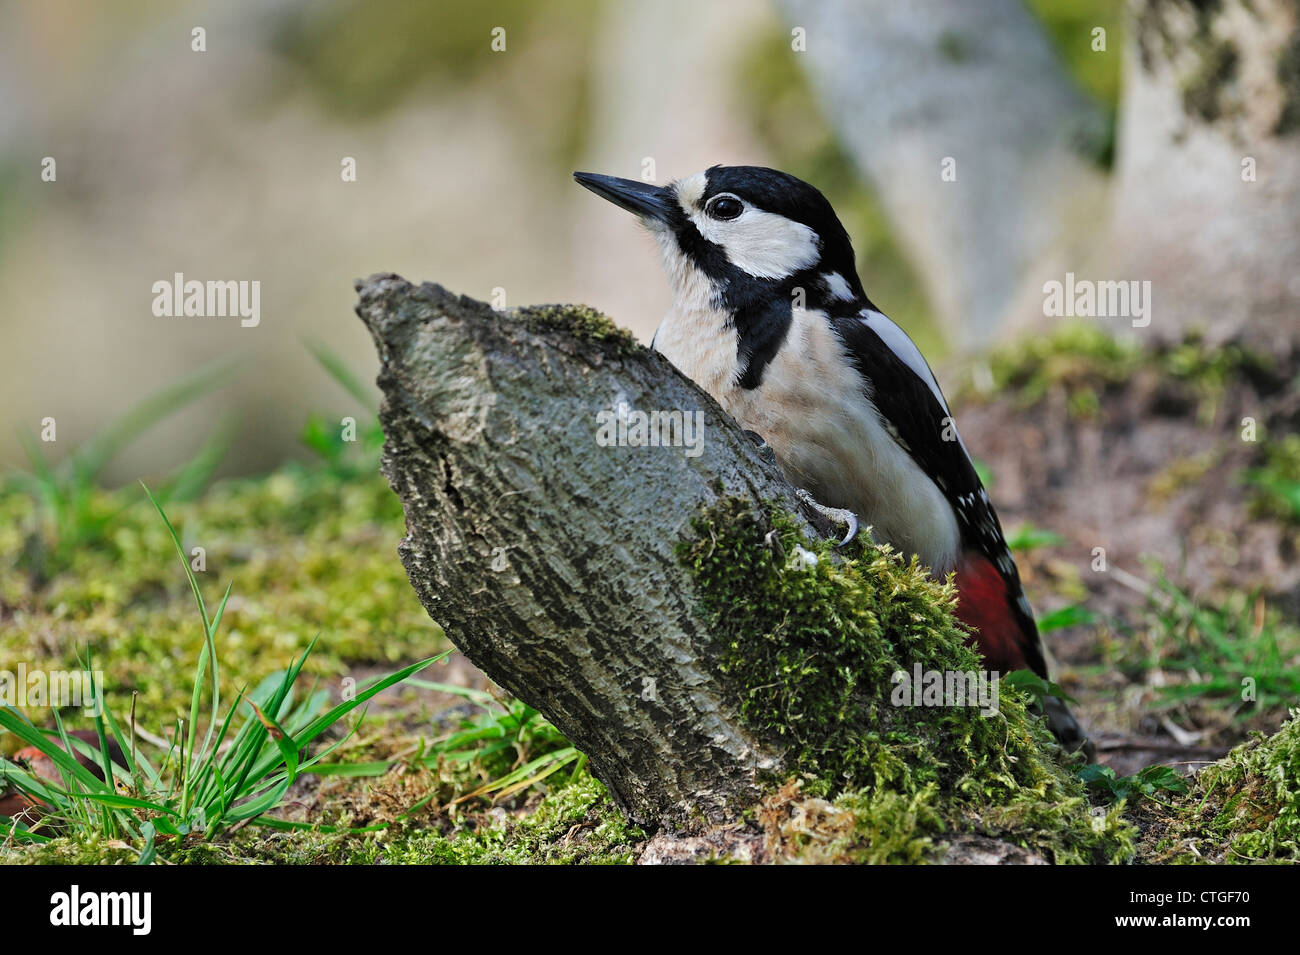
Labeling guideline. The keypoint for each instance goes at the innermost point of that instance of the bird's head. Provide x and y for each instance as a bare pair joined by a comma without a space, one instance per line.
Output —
740,231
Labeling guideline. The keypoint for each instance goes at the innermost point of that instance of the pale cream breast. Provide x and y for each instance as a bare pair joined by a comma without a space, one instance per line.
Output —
828,437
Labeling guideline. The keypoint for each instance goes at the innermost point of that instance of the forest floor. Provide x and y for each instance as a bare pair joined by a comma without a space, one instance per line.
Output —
1161,489
1152,498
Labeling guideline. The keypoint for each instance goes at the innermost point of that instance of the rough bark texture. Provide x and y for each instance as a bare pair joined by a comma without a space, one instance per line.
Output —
549,559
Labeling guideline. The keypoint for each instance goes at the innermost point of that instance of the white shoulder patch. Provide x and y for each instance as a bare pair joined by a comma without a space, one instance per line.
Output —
837,287
897,341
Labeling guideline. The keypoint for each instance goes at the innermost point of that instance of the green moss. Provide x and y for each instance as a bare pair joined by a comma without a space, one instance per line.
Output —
254,846
811,654
1244,808
1276,483
74,850
867,827
583,322
308,555
1210,369
1084,361
575,823
1077,358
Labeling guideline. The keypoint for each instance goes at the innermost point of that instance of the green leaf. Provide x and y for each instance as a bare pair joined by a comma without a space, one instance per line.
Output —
257,806
1029,537
118,801
283,741
351,769
1033,684
1073,615
67,763
148,852
1162,777
1094,775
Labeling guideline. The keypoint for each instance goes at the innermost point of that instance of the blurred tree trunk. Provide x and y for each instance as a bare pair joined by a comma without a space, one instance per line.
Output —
1207,190
973,87
1205,198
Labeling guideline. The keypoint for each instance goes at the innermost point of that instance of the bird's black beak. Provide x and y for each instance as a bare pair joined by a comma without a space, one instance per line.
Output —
646,200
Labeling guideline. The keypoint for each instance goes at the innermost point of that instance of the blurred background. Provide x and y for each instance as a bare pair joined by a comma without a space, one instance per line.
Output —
465,120
226,164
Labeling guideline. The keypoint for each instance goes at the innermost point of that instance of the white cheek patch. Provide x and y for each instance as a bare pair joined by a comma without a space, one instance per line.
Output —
764,244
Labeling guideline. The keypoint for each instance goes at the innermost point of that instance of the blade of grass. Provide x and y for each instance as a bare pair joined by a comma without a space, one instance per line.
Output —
50,749
93,456
207,655
339,371
283,742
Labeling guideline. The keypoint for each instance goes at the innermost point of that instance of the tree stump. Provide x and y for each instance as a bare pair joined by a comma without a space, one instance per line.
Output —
550,559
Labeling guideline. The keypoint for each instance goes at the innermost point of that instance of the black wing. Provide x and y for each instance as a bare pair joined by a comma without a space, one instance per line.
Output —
915,413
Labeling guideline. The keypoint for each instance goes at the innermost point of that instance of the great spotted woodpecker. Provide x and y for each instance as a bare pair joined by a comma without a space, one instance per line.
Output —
769,316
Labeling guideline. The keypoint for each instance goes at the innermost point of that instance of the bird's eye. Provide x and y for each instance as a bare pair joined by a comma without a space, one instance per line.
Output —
724,207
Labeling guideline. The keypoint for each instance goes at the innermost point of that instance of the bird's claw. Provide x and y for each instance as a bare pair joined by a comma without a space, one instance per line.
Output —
764,449
852,532
836,515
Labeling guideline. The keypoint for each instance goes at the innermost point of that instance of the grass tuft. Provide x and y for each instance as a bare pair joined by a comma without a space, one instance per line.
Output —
183,786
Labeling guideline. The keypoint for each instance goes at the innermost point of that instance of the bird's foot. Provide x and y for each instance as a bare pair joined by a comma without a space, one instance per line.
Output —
836,515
